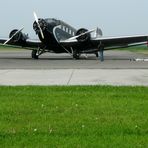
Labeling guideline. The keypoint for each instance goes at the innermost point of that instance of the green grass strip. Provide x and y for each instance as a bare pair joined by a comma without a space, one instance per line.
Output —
89,116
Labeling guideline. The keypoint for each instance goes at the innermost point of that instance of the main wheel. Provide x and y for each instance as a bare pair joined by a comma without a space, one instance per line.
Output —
97,55
34,54
76,56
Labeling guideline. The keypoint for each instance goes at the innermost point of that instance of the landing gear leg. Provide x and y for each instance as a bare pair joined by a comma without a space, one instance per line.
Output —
34,54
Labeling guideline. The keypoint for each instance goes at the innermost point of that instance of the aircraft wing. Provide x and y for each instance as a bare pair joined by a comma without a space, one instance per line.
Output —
111,42
122,41
27,44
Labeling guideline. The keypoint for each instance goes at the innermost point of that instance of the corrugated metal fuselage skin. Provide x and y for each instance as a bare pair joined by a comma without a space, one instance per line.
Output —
53,33
57,30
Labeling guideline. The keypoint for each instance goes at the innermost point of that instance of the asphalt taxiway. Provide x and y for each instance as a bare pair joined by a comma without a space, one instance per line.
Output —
113,60
119,68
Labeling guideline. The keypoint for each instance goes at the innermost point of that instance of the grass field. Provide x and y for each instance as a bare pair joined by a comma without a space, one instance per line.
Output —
138,49
11,48
63,117
3,48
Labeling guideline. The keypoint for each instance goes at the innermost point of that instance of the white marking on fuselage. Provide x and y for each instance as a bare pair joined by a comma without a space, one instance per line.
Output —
59,26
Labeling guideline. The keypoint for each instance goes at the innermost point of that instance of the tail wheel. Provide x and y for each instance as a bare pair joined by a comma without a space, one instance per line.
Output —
34,54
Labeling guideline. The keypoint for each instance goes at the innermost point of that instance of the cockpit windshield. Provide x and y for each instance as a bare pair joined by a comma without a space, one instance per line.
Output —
52,21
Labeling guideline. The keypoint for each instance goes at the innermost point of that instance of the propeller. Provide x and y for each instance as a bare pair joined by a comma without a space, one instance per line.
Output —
37,21
77,36
13,36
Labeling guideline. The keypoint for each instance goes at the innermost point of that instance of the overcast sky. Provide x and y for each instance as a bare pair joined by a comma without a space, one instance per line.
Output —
114,17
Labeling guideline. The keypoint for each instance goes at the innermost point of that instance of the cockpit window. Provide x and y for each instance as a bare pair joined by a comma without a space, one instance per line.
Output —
52,21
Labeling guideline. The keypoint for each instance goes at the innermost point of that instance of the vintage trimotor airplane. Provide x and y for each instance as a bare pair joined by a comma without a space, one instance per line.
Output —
59,37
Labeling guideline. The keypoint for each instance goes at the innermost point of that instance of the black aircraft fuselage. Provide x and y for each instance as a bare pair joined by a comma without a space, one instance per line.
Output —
54,31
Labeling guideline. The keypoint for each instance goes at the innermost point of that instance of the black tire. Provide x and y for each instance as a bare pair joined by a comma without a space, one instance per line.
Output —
76,56
97,55
34,54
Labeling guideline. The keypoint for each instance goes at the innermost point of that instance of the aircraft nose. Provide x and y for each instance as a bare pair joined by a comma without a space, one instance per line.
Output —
42,24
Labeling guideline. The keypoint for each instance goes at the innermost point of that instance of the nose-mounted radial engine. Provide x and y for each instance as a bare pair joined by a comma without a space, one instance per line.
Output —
40,25
39,28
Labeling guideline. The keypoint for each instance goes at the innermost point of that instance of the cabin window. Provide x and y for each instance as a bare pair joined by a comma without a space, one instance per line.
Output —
63,28
69,31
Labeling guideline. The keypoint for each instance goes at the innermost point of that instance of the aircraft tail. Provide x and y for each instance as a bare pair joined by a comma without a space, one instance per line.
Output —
98,33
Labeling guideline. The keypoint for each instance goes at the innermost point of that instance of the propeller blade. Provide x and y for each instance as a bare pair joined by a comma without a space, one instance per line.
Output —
13,36
35,16
75,37
37,21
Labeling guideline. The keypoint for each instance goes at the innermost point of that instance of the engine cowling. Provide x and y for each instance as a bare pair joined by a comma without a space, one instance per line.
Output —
19,37
43,24
85,37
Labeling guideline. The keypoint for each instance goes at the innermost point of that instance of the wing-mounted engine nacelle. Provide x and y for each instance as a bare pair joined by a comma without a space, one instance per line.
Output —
83,38
19,37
